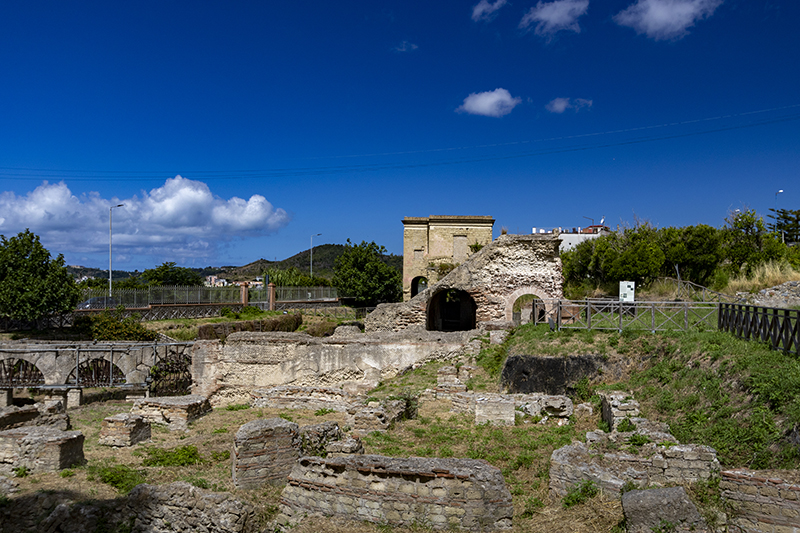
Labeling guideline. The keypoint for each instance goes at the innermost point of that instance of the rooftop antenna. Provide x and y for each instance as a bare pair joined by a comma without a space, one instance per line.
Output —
587,218
602,220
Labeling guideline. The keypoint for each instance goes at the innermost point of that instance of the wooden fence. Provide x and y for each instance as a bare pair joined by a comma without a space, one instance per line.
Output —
780,328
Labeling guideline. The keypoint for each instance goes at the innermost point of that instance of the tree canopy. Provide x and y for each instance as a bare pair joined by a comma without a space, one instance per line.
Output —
33,285
360,273
169,274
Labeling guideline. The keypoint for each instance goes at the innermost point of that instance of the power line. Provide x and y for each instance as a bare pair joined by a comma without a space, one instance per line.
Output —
210,175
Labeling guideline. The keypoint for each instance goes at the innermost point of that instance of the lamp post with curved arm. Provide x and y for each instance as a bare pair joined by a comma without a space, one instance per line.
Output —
109,247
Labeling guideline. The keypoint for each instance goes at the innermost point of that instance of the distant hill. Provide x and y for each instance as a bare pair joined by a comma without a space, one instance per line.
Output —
324,257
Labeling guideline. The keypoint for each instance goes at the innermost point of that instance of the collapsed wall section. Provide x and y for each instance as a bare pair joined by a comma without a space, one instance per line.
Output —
441,493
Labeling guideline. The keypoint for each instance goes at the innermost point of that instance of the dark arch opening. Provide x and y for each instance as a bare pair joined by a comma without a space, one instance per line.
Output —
418,285
451,310
19,373
97,373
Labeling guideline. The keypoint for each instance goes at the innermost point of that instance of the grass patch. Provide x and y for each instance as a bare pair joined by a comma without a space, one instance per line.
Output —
121,477
181,456
580,493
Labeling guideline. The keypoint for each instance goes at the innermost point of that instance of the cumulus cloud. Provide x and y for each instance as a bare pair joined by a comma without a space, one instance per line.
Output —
552,17
665,19
559,105
495,103
485,10
181,218
405,46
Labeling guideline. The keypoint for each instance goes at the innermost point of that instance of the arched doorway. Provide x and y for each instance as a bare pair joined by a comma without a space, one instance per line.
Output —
529,308
451,310
418,285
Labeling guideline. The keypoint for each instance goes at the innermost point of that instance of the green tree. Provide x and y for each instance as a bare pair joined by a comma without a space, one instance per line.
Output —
360,273
32,284
747,242
168,274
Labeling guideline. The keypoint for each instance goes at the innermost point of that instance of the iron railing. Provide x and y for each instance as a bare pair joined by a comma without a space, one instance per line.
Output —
780,328
616,315
688,290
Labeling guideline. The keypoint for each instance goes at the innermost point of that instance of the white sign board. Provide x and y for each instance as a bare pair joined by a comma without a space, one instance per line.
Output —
627,291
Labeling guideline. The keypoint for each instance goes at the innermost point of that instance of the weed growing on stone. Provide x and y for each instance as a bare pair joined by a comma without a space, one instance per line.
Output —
580,493
324,411
237,407
21,471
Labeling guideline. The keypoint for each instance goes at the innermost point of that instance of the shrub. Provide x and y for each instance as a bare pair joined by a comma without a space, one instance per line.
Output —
181,456
321,329
121,477
111,326
221,331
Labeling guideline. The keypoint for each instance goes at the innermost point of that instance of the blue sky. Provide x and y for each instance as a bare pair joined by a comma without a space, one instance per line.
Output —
233,131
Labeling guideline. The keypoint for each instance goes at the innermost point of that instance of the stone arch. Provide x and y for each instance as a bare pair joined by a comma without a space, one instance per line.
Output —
528,289
97,372
451,310
418,284
19,370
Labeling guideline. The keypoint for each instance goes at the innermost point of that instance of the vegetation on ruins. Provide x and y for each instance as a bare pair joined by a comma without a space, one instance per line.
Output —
33,285
702,254
112,326
361,274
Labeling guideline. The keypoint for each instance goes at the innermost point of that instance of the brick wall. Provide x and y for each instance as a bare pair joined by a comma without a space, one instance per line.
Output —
761,502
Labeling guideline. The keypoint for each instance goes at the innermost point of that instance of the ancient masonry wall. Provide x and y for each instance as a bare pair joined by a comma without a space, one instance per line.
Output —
655,465
761,502
227,373
39,449
264,451
176,412
441,493
310,398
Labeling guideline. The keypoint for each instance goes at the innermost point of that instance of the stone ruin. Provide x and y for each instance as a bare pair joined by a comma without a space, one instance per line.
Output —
177,506
124,429
651,510
310,398
35,437
440,493
175,412
265,450
644,455
762,501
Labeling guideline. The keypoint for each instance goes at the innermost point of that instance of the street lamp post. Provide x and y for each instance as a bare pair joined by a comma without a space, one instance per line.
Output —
311,265
776,213
109,246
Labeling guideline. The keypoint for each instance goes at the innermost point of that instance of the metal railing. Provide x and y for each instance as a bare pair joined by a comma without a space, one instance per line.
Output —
615,315
688,290
780,328
181,295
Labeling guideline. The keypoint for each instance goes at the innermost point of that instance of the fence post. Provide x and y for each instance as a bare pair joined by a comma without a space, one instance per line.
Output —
271,296
685,316
111,366
652,317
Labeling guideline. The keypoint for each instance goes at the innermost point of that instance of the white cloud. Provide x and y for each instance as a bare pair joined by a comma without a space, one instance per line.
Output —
559,105
405,46
552,17
182,218
665,19
490,103
485,10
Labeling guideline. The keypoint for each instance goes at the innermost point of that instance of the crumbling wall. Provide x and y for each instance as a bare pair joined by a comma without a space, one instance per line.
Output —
310,398
762,502
494,278
39,449
441,493
176,412
50,413
247,361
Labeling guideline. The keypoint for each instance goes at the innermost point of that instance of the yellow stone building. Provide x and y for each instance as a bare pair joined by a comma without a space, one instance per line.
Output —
435,245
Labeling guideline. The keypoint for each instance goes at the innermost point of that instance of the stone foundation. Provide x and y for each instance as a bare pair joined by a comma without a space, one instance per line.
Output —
448,382
124,429
39,414
762,502
310,398
487,405
440,493
495,410
39,449
175,412
363,420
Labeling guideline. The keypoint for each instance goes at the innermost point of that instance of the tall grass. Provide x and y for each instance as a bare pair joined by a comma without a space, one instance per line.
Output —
765,275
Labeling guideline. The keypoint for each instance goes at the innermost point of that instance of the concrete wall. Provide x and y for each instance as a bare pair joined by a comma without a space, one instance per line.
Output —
226,373
509,267
429,241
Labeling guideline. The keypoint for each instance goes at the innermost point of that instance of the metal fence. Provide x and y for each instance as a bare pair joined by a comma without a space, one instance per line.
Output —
615,315
688,290
780,328
145,297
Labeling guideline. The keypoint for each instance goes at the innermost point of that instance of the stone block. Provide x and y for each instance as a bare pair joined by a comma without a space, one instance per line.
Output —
124,429
6,397
495,410
646,510
264,451
40,449
347,446
176,412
